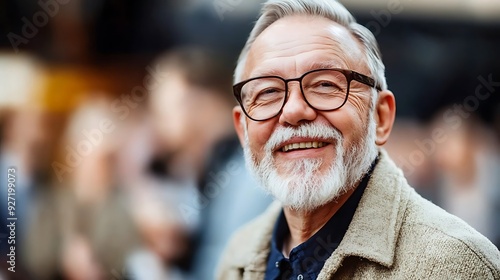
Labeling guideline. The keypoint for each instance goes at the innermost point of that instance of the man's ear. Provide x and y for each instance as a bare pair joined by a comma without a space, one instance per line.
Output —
240,130
385,112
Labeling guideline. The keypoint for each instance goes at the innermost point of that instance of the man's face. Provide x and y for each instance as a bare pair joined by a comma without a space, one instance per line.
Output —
345,137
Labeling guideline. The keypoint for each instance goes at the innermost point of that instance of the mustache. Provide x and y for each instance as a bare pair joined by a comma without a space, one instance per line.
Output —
308,130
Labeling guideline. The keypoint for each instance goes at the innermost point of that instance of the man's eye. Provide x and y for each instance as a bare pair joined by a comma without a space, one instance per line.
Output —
268,91
323,86
327,84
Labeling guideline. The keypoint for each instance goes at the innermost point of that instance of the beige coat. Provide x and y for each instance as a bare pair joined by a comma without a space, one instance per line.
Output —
394,234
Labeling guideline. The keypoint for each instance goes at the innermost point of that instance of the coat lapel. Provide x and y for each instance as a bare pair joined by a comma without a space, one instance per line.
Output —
374,230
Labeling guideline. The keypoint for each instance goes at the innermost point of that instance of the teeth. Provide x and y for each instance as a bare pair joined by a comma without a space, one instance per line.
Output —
303,145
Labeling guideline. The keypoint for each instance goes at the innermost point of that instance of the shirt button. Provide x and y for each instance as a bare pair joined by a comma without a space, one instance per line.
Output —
277,264
300,277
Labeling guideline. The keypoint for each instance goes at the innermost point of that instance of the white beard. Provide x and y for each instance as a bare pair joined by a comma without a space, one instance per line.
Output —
301,186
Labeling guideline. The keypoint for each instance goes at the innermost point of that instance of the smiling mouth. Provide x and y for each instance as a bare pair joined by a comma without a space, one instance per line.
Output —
303,145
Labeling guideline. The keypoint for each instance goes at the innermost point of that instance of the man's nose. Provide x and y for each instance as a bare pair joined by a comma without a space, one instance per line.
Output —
296,110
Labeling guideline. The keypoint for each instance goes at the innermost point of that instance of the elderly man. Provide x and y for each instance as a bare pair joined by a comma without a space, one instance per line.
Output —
314,109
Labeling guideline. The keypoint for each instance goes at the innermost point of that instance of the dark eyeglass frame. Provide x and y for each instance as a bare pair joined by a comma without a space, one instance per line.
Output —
350,75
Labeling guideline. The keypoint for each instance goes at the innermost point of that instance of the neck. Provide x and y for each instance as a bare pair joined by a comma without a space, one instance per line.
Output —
304,224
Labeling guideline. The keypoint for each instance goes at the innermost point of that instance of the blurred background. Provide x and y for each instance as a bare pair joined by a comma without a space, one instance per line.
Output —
116,116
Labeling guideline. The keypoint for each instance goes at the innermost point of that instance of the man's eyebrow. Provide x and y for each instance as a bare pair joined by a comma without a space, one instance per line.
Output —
324,65
266,72
312,66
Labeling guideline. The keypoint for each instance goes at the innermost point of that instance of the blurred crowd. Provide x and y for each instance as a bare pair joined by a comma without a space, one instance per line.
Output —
133,187
459,169
132,172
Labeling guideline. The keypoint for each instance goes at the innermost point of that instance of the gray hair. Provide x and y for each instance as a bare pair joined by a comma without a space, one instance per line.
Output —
274,10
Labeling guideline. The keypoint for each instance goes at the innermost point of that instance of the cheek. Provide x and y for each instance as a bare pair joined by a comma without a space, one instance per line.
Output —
258,134
350,122
359,102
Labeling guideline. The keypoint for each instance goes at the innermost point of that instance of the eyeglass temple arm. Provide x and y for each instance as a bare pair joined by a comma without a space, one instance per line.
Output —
365,80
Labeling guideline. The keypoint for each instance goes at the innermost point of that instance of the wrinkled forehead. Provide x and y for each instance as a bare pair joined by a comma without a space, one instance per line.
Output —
300,43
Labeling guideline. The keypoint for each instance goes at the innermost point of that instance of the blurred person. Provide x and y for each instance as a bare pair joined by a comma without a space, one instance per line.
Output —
27,139
415,164
314,109
82,228
190,108
24,149
25,146
468,164
135,151
163,232
232,199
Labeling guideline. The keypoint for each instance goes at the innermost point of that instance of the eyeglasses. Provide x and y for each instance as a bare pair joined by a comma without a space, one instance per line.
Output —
263,98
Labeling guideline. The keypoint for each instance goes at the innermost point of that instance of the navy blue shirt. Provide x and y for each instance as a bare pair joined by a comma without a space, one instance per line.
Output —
307,259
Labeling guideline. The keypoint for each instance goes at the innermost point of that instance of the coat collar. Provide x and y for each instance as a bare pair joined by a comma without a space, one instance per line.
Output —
374,230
